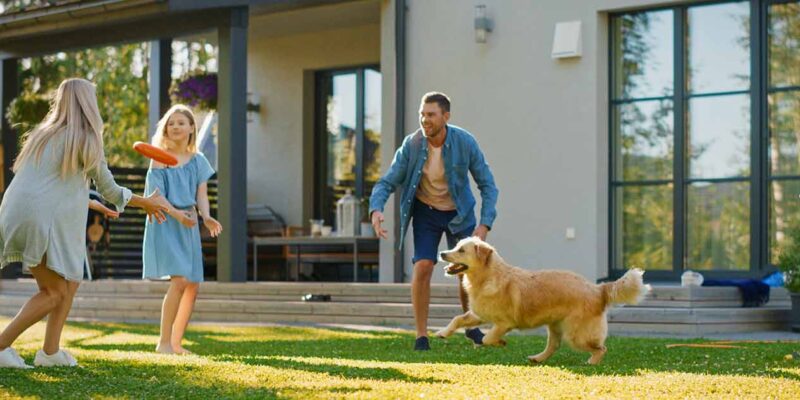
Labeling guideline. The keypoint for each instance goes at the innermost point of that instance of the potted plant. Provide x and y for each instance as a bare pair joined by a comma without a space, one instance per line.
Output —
196,90
789,264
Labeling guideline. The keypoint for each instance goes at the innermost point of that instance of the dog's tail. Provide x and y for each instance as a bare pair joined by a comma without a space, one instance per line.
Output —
630,289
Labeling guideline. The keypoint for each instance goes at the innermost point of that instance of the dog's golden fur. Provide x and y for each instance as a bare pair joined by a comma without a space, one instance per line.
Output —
572,308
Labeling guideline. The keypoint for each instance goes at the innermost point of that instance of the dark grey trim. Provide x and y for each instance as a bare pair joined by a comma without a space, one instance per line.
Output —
717,180
679,135
320,147
191,5
310,111
399,123
232,173
360,85
668,6
718,94
262,5
9,90
639,99
160,69
784,178
759,136
114,30
642,183
612,213
66,11
781,88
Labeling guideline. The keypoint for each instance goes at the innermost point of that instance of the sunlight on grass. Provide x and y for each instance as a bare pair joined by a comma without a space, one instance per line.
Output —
121,338
285,333
117,361
44,378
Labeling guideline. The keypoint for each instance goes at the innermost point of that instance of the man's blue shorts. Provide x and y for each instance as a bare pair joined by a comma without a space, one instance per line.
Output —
429,225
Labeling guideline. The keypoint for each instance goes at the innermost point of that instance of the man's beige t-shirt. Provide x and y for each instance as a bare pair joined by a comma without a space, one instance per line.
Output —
432,189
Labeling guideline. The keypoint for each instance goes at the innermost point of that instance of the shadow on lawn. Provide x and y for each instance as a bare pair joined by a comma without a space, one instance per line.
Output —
343,371
626,356
247,352
115,379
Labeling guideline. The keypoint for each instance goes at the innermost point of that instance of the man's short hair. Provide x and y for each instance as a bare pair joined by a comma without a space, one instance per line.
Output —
439,98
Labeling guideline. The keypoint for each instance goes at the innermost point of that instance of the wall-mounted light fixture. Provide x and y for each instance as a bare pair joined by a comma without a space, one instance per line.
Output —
253,106
483,25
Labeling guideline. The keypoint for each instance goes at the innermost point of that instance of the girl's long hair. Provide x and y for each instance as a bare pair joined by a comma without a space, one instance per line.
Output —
73,114
160,136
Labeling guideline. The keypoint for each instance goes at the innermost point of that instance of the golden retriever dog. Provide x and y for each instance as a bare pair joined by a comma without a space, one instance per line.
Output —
573,308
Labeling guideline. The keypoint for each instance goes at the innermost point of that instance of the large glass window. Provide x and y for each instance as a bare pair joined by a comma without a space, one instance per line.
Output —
643,137
348,136
695,88
783,120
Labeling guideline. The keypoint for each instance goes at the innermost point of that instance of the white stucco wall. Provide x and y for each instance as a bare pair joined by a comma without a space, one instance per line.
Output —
276,65
541,122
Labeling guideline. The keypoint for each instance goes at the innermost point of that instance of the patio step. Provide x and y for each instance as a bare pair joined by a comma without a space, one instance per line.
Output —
669,296
265,291
660,296
665,312
627,320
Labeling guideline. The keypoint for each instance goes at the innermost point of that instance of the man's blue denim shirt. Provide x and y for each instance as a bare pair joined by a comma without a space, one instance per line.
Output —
460,154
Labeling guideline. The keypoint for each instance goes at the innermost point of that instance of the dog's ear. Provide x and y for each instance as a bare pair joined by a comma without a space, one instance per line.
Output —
483,251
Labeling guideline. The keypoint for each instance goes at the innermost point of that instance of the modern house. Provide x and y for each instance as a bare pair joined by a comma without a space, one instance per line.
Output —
621,133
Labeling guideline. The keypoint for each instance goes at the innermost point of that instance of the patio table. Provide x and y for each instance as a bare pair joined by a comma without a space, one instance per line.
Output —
299,241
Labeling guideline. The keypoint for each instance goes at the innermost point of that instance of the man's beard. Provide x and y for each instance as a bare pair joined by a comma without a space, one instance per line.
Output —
433,133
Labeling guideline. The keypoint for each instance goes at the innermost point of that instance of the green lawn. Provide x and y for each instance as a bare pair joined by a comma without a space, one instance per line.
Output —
297,362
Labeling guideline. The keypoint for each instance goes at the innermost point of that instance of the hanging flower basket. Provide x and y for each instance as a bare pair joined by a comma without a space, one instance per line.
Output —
196,90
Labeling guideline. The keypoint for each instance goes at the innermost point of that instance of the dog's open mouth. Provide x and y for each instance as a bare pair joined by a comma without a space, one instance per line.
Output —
455,269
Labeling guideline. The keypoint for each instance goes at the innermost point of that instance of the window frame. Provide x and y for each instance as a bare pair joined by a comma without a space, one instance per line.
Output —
759,178
320,133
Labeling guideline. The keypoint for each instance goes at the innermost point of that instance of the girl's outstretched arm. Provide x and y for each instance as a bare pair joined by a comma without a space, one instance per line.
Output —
154,205
213,226
186,218
155,183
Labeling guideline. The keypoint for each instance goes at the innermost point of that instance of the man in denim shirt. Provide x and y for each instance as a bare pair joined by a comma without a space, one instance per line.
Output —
432,165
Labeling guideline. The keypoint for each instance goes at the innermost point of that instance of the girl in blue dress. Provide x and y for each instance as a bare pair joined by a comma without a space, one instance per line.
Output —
172,250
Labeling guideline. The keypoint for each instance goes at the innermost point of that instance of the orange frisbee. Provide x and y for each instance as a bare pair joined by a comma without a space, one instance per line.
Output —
155,153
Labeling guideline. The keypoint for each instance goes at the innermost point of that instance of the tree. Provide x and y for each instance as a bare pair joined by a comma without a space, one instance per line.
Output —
120,75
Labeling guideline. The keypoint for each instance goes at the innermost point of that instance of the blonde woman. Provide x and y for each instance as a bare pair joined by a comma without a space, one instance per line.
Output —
43,214
172,250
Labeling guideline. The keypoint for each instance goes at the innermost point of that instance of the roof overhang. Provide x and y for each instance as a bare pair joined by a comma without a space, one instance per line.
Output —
95,23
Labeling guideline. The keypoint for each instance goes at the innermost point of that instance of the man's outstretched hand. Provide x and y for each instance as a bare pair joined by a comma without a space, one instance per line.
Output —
377,220
481,231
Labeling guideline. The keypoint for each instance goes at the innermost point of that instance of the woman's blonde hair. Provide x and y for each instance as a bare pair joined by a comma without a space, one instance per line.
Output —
73,114
160,135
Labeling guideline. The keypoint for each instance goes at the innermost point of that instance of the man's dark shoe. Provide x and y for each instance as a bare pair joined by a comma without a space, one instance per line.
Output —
475,335
422,343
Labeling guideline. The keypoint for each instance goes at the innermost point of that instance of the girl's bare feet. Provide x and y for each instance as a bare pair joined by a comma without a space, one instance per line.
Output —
180,350
164,349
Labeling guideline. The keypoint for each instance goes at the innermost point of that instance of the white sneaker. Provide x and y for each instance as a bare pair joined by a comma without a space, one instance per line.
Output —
9,358
60,359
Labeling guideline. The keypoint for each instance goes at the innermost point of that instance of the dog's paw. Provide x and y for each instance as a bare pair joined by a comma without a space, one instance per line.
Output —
442,334
498,343
536,359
